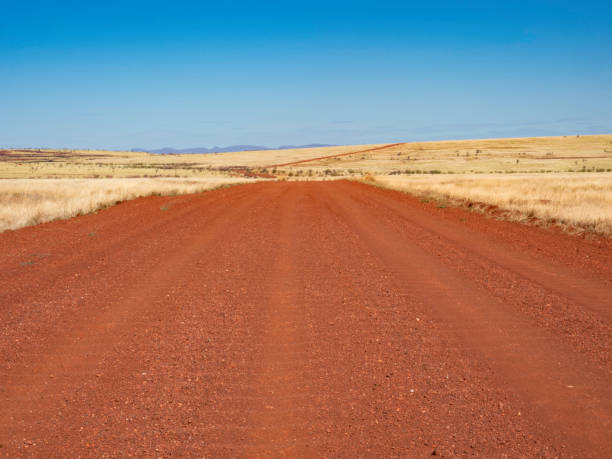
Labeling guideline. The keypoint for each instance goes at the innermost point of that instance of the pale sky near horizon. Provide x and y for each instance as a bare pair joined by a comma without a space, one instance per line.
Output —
121,74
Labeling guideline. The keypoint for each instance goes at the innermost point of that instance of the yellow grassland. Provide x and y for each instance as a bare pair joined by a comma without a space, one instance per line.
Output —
576,201
45,163
25,202
538,154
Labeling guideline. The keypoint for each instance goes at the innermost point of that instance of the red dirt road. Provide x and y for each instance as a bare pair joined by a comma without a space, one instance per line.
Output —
302,319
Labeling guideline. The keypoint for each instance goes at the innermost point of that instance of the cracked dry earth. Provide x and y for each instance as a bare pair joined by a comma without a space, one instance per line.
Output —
302,319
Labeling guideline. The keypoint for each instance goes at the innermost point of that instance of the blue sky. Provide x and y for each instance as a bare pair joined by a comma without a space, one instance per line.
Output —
183,74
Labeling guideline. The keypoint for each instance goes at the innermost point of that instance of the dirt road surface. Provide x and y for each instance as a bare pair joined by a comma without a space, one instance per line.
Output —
303,319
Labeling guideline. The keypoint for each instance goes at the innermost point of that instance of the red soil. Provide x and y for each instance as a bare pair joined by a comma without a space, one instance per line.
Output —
302,319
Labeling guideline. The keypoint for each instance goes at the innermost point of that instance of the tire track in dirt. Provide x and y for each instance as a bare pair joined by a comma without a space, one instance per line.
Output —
274,417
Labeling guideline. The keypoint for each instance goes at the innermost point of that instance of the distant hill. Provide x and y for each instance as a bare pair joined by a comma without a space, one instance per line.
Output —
200,150
310,145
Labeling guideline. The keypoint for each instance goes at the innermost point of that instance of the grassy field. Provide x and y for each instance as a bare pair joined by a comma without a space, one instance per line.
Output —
566,179
574,201
123,164
540,154
25,202
526,155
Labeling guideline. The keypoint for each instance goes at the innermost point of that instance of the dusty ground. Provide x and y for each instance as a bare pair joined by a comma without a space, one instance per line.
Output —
302,319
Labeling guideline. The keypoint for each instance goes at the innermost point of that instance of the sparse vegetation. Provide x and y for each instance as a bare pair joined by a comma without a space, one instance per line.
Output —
554,154
582,201
503,156
25,202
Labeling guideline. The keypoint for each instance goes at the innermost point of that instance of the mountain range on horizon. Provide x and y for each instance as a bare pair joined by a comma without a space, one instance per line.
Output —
230,148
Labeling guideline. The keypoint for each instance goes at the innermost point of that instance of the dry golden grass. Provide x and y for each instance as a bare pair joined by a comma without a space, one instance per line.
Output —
554,154
582,201
107,164
267,158
537,154
25,202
